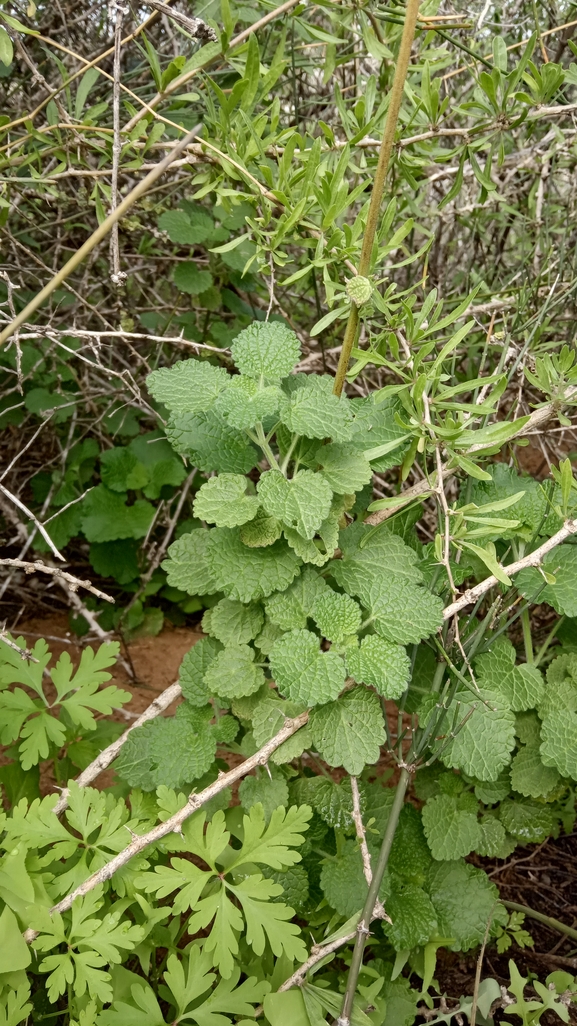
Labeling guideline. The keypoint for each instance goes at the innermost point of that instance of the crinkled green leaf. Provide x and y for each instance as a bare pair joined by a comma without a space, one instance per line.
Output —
303,672
530,822
350,731
381,664
302,503
562,563
187,227
193,668
344,467
244,403
492,791
343,881
210,443
332,801
559,745
312,410
483,745
188,567
375,425
189,386
492,839
413,915
268,718
410,855
530,776
451,832
295,885
270,792
249,574
223,501
336,615
289,609
522,685
464,899
266,349
190,278
402,613
261,531
168,750
233,622
233,672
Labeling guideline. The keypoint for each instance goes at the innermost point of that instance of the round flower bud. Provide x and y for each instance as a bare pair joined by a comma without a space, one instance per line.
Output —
359,289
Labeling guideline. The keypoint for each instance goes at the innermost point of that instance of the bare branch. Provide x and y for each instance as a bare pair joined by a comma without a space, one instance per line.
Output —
74,583
174,824
18,502
533,559
379,911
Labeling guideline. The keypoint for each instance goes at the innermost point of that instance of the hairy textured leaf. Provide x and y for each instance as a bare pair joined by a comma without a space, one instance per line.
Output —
562,563
452,832
492,839
231,622
559,746
268,718
193,669
343,881
483,745
106,516
261,531
301,503
223,501
233,672
312,410
522,685
350,731
266,349
248,574
529,511
529,776
464,900
289,609
271,793
410,855
414,917
210,443
381,664
244,403
190,278
344,467
189,386
336,615
375,425
530,822
303,672
168,750
188,567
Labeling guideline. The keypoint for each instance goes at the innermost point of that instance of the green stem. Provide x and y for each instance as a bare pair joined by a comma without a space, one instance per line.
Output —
396,97
367,913
554,924
548,640
266,447
291,448
527,639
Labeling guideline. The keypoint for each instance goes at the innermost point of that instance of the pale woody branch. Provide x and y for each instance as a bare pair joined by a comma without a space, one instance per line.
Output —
74,583
533,559
108,755
174,824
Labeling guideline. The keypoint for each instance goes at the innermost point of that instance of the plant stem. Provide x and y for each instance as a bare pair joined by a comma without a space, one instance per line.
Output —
548,640
266,447
388,139
527,639
553,924
378,873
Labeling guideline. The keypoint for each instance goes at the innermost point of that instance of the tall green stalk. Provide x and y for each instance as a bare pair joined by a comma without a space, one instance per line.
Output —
385,151
367,913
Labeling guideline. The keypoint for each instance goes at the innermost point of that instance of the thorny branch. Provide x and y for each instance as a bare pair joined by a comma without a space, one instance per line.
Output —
72,582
